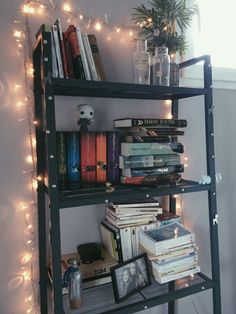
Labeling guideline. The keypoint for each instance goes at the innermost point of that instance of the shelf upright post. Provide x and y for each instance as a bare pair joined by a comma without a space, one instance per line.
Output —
213,217
38,114
172,205
51,156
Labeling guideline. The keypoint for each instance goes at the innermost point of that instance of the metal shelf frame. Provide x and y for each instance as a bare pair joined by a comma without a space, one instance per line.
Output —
45,90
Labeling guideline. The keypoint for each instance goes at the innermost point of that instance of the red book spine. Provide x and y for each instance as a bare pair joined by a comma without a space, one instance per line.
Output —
88,157
101,157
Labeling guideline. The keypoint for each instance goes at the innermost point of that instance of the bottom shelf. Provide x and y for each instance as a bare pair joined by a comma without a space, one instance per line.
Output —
101,299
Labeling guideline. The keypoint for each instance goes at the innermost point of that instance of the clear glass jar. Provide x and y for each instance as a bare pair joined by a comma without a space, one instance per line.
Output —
141,63
161,67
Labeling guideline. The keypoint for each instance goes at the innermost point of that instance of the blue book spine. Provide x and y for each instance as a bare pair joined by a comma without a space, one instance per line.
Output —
73,159
113,153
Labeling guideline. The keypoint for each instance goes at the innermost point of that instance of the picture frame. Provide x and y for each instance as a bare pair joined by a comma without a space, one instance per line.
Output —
130,277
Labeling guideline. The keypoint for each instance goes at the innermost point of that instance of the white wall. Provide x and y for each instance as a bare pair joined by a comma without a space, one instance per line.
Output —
14,147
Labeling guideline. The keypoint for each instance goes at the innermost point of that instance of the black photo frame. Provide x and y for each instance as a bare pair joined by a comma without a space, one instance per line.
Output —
130,277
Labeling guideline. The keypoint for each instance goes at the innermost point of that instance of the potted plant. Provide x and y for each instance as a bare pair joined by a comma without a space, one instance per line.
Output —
163,23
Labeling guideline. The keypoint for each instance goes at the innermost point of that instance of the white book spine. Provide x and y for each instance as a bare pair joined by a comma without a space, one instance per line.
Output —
83,54
125,234
54,60
90,59
58,51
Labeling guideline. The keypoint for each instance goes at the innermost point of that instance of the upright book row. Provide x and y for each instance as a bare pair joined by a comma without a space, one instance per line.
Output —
87,158
75,55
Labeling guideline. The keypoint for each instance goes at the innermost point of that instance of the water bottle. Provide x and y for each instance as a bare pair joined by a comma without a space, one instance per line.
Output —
141,63
73,277
161,67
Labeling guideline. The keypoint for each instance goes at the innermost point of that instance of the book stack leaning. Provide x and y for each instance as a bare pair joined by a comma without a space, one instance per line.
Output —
150,153
171,250
120,229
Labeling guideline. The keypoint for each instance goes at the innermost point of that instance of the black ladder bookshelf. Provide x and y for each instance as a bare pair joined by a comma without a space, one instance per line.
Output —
100,299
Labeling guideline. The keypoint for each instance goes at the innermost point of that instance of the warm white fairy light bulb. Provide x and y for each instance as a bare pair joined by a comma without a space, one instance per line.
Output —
28,9
131,33
26,259
67,7
169,116
98,26
29,159
168,102
81,17
118,29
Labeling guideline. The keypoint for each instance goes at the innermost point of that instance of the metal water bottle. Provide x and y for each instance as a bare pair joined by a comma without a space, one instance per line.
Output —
74,281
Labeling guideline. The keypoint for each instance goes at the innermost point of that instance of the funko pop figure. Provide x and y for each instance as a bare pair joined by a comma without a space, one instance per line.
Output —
86,114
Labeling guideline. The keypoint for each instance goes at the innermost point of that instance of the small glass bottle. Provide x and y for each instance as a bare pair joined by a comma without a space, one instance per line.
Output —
161,67
141,63
74,282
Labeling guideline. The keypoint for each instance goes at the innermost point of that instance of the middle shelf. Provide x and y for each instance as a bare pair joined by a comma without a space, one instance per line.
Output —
99,194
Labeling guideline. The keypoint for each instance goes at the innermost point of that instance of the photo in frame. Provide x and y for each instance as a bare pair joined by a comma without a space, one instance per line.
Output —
130,277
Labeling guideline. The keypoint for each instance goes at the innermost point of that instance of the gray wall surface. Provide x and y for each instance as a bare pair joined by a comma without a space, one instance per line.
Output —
14,147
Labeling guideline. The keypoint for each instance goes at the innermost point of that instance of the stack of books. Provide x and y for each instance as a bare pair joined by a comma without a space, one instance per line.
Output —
86,159
75,55
172,252
149,155
120,229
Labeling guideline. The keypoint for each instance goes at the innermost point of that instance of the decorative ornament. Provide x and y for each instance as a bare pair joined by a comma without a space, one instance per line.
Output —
86,114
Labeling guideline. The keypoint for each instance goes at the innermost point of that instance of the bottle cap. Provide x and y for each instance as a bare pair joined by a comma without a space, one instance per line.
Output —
73,262
163,49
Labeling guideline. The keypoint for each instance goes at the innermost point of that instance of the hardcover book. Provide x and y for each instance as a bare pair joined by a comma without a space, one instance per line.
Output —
130,122
101,157
62,48
88,157
73,160
57,50
97,57
160,240
89,55
62,159
145,171
113,152
154,180
134,149
76,55
148,161
83,54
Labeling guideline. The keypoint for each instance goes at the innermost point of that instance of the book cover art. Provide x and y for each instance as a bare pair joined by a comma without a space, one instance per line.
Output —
88,157
73,160
171,231
113,152
101,157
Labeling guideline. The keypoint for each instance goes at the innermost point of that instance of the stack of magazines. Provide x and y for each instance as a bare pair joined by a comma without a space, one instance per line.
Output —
171,250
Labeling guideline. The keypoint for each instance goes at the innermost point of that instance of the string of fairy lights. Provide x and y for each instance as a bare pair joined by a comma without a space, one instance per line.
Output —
24,47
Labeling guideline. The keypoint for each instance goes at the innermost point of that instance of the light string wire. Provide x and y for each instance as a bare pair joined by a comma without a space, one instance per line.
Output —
27,60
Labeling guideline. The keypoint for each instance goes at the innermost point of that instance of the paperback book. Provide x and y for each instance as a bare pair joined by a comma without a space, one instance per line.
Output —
163,239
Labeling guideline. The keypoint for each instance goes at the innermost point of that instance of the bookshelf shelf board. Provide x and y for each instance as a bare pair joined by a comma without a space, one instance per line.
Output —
69,87
98,195
101,299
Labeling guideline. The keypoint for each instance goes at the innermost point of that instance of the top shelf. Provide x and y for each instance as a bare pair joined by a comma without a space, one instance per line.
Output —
69,87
